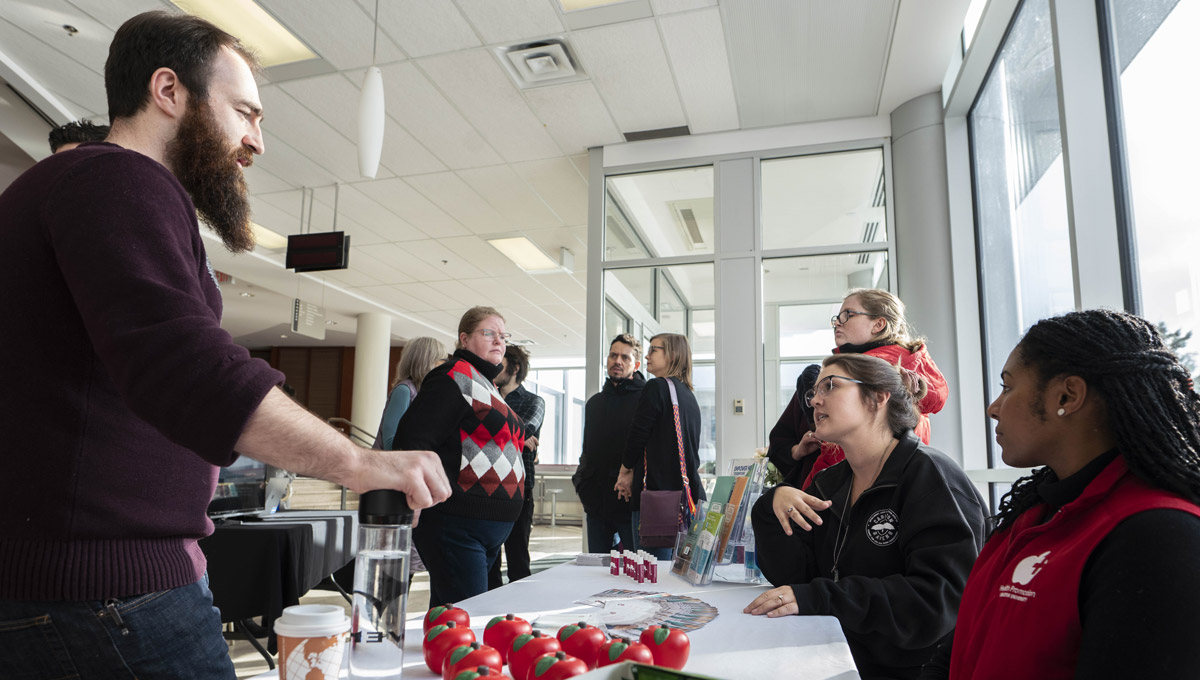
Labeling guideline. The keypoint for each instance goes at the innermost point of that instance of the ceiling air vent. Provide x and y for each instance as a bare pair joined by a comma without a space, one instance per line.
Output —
695,219
544,62
660,133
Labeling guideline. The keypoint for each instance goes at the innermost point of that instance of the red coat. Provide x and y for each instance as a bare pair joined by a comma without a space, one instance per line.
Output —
1019,616
935,398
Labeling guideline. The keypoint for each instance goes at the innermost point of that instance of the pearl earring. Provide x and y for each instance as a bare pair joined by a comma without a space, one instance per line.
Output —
1062,411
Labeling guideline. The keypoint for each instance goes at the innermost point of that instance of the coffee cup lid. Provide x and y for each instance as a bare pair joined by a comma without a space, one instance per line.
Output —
312,620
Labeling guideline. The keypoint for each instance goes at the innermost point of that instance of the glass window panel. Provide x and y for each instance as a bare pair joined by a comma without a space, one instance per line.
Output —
1024,253
1154,40
574,433
789,371
804,330
823,278
704,382
824,199
615,321
704,332
550,449
672,315
659,214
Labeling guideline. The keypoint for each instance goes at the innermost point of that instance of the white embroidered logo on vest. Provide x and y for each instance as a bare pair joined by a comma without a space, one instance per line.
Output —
1028,568
882,527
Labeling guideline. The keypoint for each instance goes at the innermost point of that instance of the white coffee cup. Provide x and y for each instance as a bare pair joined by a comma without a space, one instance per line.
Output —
312,637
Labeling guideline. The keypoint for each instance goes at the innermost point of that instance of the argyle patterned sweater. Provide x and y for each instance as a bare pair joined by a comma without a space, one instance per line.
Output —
460,415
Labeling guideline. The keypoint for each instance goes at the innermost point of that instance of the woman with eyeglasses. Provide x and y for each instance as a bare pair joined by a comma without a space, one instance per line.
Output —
652,450
1091,571
884,539
871,321
460,414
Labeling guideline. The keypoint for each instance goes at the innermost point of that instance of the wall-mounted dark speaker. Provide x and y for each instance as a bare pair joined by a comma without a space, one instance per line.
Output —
318,252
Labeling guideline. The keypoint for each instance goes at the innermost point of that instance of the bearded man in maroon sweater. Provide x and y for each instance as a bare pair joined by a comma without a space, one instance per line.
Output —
121,394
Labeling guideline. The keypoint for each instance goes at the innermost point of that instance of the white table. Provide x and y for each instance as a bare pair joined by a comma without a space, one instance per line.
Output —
734,646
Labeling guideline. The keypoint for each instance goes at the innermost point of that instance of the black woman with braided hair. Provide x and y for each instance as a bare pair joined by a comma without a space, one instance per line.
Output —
1092,569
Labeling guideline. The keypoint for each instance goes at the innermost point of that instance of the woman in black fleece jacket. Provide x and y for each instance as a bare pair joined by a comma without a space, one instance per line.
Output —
888,535
461,416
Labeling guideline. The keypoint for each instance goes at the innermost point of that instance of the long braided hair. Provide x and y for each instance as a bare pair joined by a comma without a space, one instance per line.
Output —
1154,410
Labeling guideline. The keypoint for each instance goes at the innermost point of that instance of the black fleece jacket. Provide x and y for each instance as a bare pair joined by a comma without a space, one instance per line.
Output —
606,422
652,438
907,546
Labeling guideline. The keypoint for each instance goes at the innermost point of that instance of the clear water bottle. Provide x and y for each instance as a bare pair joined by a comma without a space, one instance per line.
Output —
380,585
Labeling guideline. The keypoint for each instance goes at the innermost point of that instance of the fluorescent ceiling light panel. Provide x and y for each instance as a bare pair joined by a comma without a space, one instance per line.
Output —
524,254
266,238
256,29
572,5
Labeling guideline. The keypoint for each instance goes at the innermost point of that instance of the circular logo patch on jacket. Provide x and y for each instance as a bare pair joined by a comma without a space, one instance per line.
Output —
883,527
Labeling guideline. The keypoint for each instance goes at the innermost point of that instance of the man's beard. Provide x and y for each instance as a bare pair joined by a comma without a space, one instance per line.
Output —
208,169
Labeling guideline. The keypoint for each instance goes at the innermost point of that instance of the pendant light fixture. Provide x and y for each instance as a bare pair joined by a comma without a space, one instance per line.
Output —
371,113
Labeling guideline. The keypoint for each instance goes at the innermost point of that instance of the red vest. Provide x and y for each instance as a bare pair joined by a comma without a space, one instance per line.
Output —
1019,616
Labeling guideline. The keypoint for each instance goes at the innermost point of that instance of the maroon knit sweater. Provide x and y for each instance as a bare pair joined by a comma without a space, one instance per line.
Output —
120,392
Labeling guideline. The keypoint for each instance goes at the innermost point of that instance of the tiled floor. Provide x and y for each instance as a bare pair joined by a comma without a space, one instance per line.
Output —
549,544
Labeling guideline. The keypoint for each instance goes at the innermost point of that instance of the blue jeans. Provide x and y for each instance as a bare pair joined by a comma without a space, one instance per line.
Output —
167,634
660,553
600,530
458,552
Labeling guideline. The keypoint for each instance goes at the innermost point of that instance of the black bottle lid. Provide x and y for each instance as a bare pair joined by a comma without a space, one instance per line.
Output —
384,506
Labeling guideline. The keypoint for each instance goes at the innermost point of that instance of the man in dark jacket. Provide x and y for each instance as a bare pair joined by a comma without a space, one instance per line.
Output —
605,426
532,410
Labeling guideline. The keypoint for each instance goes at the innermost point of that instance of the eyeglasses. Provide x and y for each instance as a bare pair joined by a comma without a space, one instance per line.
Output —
824,387
844,317
656,348
491,335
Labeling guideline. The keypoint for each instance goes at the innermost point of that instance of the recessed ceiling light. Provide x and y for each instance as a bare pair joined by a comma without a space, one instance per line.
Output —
330,322
246,295
572,5
524,253
258,30
266,238
283,337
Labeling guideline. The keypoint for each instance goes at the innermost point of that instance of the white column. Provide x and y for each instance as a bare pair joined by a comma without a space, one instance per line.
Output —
371,350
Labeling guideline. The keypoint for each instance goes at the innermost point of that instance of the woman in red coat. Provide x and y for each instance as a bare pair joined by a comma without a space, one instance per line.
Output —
871,321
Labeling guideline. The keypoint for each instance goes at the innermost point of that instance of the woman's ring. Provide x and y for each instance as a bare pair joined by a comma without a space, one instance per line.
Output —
780,598
789,510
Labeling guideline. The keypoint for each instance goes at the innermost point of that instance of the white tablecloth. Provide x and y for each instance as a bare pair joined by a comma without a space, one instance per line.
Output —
734,646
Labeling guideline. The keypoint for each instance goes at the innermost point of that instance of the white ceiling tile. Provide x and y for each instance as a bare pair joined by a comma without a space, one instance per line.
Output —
454,196
582,164
413,208
511,196
402,257
365,210
267,212
414,103
560,186
54,70
550,240
528,287
422,27
437,256
335,97
308,134
44,20
485,95
259,181
381,271
113,13
467,295
629,66
504,21
338,30
282,160
401,301
835,70
696,44
574,115
351,277
565,286
571,316
482,255
427,294
671,6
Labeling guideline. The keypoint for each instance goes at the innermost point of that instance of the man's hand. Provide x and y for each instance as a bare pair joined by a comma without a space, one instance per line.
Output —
284,434
809,444
531,443
624,485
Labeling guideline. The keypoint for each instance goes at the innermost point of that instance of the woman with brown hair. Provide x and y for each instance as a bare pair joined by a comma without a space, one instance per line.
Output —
460,414
662,451
871,321
888,534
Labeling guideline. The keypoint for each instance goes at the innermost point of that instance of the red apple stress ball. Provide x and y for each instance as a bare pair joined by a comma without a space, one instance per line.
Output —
581,641
502,630
466,657
617,650
556,666
444,613
526,648
670,646
440,640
